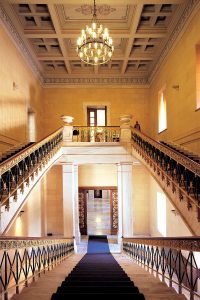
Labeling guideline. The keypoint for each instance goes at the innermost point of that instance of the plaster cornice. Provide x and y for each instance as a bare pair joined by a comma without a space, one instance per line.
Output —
96,81
20,44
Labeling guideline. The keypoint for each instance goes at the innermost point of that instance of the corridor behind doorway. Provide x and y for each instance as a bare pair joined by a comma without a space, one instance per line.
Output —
98,212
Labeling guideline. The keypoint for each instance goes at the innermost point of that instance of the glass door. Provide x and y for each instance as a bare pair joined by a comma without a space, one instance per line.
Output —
96,117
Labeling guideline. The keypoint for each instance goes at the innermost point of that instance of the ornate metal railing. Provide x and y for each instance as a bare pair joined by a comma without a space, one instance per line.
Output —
23,259
177,260
16,171
96,133
178,170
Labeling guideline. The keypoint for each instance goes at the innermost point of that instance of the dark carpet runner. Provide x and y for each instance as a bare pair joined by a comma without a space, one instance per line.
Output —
97,273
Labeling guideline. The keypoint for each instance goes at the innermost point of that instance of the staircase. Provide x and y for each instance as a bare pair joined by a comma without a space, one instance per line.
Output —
13,151
97,273
182,151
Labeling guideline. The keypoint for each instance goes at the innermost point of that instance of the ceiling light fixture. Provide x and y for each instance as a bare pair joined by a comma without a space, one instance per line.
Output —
94,46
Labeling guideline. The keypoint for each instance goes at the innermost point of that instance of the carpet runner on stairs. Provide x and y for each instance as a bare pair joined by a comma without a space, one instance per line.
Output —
97,273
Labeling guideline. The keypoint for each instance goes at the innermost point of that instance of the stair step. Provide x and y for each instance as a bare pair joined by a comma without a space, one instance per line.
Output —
98,283
89,289
92,295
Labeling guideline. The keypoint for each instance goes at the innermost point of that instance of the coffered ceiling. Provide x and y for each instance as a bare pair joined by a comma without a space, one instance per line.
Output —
143,33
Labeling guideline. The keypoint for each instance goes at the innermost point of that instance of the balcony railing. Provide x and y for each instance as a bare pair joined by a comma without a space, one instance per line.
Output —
180,172
22,259
176,260
17,171
96,133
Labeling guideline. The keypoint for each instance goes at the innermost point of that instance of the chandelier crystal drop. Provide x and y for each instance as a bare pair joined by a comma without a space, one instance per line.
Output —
95,46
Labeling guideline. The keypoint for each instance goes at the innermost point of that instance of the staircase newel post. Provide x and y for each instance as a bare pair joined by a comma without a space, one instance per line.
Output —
125,128
68,128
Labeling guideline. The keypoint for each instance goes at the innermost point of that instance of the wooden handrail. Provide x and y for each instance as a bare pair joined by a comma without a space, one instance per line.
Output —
16,158
178,243
188,163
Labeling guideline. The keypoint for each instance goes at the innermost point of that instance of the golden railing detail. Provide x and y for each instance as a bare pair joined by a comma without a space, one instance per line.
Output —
179,158
22,259
96,133
15,159
175,259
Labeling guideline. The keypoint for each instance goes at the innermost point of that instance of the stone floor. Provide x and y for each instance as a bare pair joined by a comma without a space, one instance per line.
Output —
148,284
47,284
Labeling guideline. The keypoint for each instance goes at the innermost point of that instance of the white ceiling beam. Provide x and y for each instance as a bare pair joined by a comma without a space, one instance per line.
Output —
136,19
67,35
60,40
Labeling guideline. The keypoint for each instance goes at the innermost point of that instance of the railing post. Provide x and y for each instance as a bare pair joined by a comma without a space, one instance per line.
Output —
68,128
125,127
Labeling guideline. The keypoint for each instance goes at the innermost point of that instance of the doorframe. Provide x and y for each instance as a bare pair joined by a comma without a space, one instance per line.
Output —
97,105
113,231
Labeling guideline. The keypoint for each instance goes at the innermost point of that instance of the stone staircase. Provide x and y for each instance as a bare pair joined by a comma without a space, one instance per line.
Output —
148,284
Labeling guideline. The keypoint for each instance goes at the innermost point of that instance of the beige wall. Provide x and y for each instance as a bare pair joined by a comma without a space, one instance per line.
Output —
183,122
97,175
31,223
71,101
14,103
54,201
141,205
175,226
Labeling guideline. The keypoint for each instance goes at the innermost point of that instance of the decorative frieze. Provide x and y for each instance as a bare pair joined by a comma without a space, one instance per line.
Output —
27,243
189,244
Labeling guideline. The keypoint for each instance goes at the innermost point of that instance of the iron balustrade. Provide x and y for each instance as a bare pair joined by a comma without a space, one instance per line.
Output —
182,170
96,133
24,259
19,169
175,259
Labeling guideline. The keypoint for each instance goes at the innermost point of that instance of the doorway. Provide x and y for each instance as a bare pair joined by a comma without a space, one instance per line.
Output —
96,116
98,210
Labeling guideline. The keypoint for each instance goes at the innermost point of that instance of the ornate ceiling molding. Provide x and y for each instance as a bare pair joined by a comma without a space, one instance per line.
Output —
190,9
96,81
8,23
10,28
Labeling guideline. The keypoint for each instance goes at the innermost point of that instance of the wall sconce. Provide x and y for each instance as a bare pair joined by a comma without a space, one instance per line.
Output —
20,213
176,87
15,86
174,211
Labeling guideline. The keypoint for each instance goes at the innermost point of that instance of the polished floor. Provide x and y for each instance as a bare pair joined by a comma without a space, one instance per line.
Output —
98,214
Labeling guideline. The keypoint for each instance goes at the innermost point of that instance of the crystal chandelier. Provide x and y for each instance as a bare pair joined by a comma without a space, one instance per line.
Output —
94,46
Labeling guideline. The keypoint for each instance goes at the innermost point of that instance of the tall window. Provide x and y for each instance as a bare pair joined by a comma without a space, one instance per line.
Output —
96,116
162,111
198,76
161,213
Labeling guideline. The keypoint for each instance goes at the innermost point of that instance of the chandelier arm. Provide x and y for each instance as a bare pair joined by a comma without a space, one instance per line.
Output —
95,10
94,46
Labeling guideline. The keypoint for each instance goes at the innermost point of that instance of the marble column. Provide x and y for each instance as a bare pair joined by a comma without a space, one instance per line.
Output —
125,208
68,200
76,205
